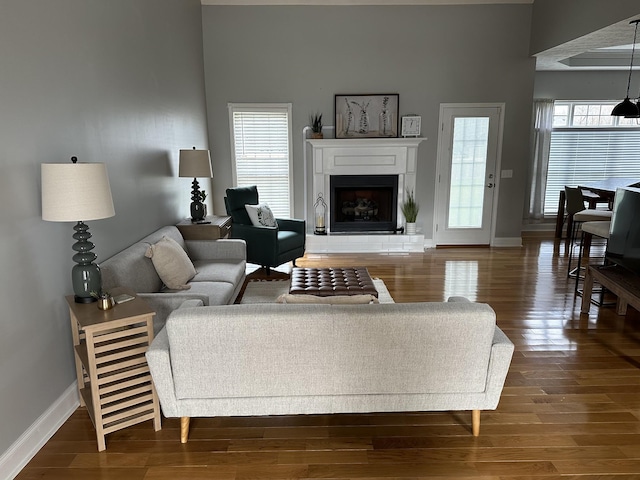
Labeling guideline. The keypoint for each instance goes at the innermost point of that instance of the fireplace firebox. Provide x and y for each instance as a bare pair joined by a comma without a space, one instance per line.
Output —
363,203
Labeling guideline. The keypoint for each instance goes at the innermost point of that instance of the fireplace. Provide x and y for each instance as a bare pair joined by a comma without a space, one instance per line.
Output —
363,203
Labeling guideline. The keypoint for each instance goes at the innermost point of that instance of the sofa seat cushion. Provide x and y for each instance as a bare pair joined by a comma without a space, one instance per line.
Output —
216,293
219,271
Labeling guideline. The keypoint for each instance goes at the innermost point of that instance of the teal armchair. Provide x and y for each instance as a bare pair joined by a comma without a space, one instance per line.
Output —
267,247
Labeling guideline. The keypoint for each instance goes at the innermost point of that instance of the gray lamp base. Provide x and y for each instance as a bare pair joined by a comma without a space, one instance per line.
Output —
85,276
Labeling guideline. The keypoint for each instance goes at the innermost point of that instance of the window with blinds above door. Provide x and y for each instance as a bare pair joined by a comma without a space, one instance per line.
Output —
261,152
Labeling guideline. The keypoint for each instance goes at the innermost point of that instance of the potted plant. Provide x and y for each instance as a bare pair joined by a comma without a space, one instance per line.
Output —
316,125
203,197
410,211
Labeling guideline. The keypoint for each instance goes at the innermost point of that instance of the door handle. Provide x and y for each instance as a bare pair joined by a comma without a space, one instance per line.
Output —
490,185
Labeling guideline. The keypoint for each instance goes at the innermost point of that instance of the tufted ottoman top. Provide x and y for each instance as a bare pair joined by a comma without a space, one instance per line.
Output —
325,282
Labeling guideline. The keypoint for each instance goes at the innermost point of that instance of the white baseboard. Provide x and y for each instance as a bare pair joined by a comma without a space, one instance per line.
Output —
32,440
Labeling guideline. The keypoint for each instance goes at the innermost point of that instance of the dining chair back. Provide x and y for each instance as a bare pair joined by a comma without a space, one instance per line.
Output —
577,214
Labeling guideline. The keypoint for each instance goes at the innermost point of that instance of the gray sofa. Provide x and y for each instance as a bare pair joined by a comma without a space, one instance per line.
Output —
282,359
220,267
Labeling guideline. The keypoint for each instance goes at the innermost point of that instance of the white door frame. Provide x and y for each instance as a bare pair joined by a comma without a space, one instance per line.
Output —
443,162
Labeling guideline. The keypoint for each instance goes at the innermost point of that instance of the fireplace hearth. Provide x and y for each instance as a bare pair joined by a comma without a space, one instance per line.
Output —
363,203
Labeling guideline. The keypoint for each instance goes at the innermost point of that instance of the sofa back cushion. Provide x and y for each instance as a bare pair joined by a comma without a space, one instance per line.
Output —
130,268
284,350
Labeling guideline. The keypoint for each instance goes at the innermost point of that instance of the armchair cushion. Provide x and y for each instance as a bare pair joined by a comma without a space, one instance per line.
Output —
171,263
261,215
237,198
289,240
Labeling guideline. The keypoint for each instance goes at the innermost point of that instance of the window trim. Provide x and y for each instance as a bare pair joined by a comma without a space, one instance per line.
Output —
574,103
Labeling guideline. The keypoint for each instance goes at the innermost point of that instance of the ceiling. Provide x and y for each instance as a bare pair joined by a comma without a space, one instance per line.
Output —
606,49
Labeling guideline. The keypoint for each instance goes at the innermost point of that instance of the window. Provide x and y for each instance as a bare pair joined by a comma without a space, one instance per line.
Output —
261,152
588,144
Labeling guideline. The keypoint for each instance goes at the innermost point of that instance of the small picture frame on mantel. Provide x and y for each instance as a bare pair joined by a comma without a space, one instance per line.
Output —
411,125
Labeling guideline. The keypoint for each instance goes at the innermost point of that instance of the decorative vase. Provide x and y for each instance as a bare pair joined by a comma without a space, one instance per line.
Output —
410,228
197,211
386,122
317,135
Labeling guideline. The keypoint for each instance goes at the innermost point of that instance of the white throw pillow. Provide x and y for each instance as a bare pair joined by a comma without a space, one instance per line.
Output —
172,263
261,215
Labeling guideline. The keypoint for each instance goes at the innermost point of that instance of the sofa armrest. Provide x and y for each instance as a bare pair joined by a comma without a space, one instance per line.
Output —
224,249
458,299
159,362
165,303
291,224
191,303
499,362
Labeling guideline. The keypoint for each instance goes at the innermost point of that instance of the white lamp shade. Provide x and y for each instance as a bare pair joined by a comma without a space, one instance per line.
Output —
73,192
195,163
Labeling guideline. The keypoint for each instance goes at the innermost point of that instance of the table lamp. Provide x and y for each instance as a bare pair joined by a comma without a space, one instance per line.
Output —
195,163
78,192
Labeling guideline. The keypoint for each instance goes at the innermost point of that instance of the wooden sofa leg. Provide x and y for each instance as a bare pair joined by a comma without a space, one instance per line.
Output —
475,422
184,429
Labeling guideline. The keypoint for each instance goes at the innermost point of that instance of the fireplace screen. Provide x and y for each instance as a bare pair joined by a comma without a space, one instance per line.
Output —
363,203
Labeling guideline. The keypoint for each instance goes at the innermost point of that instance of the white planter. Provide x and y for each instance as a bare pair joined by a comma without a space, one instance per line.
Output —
410,228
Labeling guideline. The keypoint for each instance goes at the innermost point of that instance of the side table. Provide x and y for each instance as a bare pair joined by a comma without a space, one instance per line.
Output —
220,227
618,281
114,381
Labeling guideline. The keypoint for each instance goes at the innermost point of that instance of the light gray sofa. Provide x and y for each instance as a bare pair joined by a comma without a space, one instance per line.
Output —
282,359
220,267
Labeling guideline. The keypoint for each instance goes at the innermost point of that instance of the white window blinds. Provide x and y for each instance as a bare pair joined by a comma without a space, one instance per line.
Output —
261,146
580,156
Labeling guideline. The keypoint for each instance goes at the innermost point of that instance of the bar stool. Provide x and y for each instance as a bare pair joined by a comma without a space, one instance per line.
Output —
598,229
577,215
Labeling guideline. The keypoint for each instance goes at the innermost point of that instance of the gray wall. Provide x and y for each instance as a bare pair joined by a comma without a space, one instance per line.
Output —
585,85
117,81
558,21
427,54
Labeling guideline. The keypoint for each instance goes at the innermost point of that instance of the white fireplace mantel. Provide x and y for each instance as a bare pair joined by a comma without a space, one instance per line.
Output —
364,156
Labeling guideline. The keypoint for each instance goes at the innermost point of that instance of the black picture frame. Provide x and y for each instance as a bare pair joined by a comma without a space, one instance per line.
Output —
366,115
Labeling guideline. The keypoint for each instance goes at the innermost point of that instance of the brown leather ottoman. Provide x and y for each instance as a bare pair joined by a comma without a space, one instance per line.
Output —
325,282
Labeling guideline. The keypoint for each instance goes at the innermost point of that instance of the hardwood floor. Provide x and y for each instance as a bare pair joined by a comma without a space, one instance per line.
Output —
570,407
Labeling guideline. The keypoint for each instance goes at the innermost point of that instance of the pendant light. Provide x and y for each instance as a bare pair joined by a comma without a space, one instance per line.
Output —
627,108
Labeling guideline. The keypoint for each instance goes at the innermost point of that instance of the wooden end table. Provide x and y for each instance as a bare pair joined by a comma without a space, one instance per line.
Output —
114,381
219,227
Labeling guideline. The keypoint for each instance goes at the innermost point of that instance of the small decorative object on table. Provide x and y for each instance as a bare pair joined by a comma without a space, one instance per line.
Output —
316,125
105,300
320,211
122,298
410,211
411,125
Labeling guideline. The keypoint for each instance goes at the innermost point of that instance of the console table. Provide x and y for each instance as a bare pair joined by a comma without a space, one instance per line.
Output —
218,227
114,381
617,280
